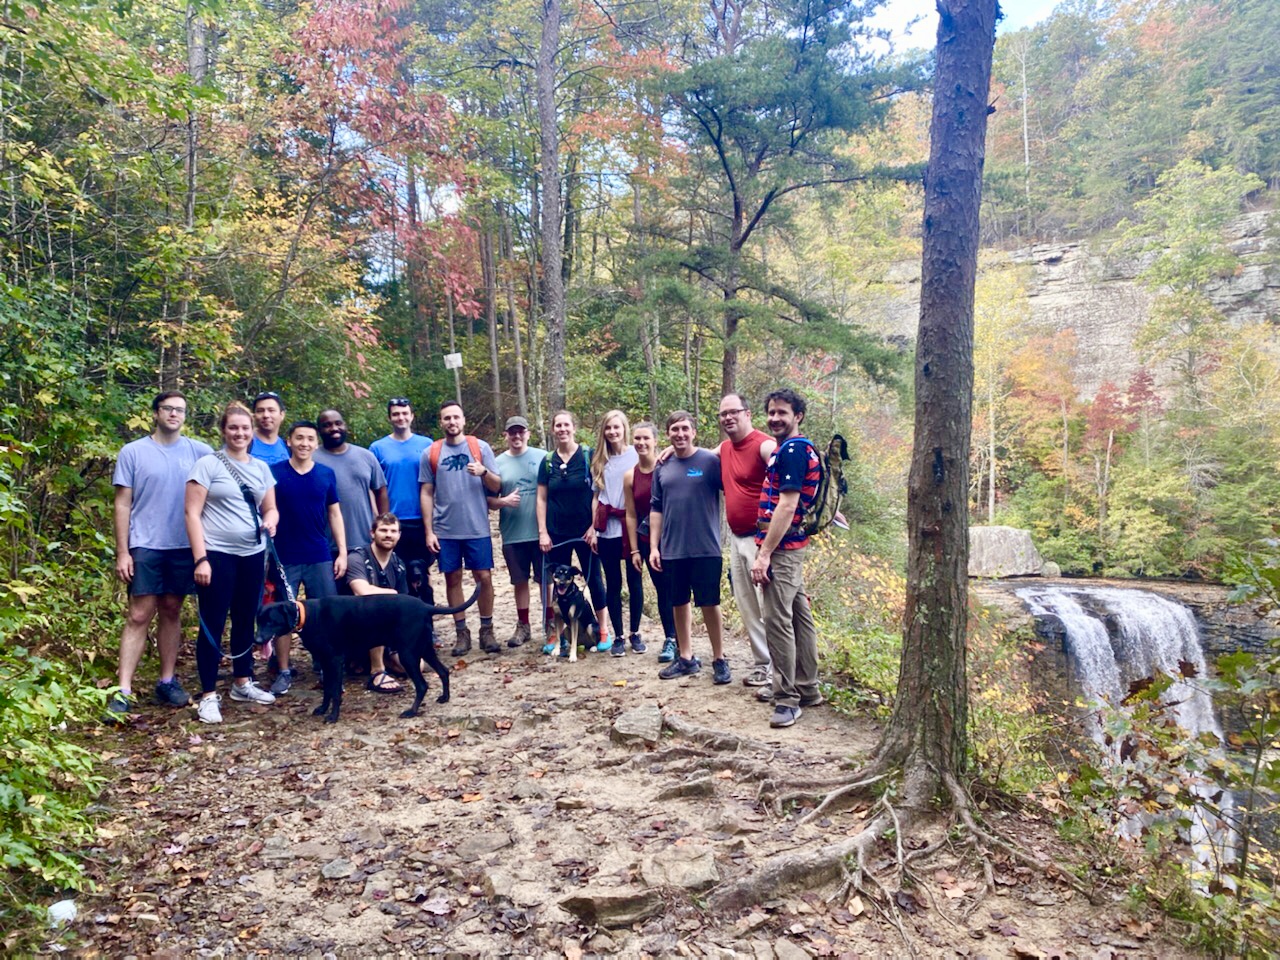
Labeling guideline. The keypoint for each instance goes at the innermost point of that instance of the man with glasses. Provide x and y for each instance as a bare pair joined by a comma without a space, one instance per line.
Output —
744,455
268,415
517,504
153,554
399,453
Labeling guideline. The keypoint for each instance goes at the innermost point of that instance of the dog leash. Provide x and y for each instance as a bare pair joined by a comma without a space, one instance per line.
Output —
288,591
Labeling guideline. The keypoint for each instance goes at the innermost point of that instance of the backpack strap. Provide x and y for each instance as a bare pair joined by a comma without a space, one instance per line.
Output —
433,454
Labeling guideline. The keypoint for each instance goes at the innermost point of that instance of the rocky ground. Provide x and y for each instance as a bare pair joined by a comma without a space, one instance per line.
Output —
518,819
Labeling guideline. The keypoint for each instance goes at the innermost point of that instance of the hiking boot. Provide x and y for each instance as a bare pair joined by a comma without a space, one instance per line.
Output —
668,650
464,642
118,708
619,648
171,692
250,693
720,671
759,677
488,642
208,710
637,645
784,716
283,681
681,667
522,635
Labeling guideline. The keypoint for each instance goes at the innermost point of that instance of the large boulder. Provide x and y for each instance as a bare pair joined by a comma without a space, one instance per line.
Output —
1003,552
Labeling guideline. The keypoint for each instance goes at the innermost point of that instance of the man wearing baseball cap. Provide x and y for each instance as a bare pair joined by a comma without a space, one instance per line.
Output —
517,504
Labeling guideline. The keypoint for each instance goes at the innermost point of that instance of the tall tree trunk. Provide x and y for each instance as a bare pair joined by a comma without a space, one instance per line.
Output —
513,322
648,337
930,716
571,215
549,169
991,454
489,266
415,270
197,69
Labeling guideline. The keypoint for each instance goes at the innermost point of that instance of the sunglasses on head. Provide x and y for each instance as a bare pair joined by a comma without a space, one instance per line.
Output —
268,395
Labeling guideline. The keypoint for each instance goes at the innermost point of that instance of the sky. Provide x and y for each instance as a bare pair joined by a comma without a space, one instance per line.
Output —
897,14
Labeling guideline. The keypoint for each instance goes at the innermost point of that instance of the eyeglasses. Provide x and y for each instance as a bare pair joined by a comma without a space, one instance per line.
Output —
728,414
268,395
170,408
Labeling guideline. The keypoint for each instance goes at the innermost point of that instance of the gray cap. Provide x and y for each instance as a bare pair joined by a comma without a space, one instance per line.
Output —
513,422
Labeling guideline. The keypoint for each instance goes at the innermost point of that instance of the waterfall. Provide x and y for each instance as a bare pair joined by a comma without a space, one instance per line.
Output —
1116,636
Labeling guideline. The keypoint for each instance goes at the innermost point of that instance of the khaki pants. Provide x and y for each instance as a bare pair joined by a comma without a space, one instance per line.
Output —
742,554
793,637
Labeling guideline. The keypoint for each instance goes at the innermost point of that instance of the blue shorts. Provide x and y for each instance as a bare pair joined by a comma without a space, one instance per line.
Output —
476,554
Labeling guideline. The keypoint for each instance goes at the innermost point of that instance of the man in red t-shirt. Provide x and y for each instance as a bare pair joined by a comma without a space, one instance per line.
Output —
743,458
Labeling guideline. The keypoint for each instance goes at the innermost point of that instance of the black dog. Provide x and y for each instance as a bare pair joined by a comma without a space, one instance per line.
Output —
419,572
333,627
573,613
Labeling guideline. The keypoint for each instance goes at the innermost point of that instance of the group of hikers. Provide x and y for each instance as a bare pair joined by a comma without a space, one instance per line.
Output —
320,515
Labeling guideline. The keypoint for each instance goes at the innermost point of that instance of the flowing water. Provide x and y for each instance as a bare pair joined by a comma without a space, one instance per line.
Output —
1117,636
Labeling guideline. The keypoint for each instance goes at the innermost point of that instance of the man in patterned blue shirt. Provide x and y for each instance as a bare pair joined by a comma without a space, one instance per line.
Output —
790,486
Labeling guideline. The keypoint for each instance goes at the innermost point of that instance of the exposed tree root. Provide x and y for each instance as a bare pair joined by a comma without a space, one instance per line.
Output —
960,802
848,789
717,739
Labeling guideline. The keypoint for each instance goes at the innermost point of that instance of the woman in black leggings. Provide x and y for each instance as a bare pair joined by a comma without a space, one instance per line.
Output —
564,514
613,457
636,486
229,504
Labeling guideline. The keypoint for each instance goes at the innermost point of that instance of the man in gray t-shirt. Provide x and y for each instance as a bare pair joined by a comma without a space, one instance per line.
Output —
684,523
362,486
153,556
458,474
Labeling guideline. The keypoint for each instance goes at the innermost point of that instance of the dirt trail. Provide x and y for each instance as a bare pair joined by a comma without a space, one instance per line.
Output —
467,830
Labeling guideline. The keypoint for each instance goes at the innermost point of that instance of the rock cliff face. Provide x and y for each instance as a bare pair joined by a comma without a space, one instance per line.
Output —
1080,287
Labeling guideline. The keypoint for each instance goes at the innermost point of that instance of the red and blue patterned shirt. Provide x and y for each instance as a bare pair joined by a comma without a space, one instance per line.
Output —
793,466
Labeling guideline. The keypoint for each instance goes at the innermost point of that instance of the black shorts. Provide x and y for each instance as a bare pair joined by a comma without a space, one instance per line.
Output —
413,543
160,572
523,558
698,577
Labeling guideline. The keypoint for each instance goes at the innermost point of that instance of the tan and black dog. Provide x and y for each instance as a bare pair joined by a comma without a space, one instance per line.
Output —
332,628
574,620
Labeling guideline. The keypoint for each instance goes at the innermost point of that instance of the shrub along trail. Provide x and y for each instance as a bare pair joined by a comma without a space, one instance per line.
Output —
516,820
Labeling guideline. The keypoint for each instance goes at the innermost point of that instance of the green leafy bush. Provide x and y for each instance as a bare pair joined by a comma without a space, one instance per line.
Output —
46,780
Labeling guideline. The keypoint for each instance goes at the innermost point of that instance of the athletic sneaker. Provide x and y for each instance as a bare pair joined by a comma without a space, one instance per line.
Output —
251,693
605,644
765,694
784,716
619,648
118,708
637,645
815,701
283,681
488,642
759,677
720,671
681,667
522,635
171,692
668,650
208,710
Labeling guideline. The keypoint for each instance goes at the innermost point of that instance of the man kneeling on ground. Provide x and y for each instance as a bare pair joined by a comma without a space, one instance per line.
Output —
374,570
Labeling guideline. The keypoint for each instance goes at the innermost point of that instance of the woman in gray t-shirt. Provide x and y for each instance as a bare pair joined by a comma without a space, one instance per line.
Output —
226,533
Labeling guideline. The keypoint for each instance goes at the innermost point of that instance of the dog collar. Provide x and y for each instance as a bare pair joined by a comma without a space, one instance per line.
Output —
302,616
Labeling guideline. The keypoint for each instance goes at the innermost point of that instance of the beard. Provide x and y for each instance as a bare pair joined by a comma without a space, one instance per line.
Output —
332,441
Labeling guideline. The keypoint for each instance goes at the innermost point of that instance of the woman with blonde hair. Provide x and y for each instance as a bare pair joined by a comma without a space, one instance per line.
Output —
614,456
230,504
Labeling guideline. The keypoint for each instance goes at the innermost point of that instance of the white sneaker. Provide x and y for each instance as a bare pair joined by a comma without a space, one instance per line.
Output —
251,693
208,710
